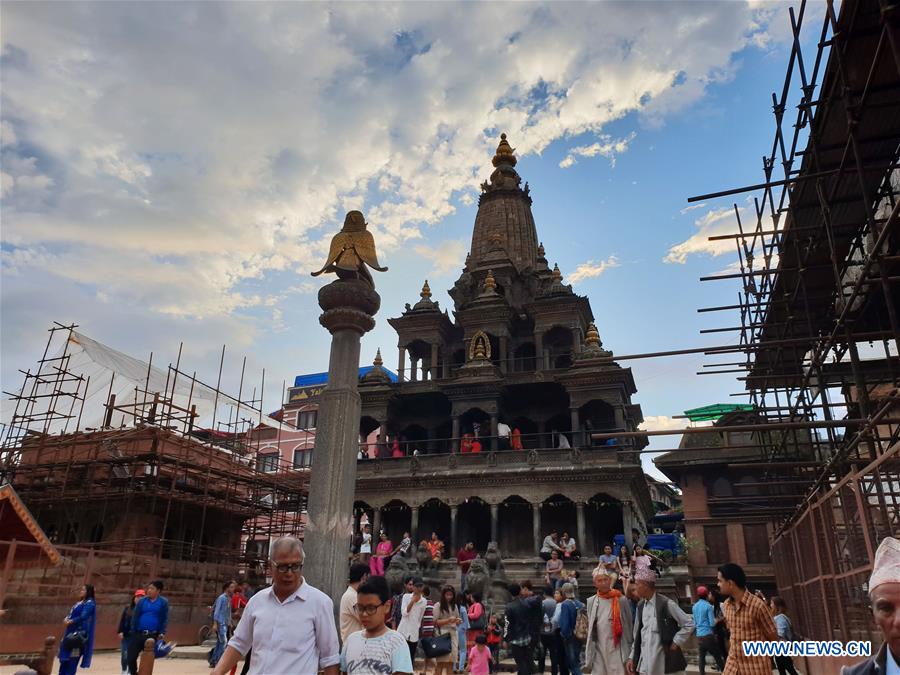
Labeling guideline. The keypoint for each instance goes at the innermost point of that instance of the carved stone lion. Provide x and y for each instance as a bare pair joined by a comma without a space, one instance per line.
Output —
479,577
423,557
395,573
493,558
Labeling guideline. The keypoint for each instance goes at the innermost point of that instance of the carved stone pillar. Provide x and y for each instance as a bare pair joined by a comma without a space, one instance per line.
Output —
376,526
494,431
582,530
349,306
454,441
538,351
619,412
576,428
627,523
414,526
445,367
401,364
536,526
495,508
504,347
434,361
454,544
413,369
541,429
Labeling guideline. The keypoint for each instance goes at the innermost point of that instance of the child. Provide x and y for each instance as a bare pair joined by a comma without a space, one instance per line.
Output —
493,639
376,649
479,657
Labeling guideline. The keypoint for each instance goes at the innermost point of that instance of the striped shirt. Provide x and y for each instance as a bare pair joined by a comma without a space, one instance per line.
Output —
748,620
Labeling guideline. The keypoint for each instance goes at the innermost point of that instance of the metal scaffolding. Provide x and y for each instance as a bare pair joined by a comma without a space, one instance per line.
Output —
818,313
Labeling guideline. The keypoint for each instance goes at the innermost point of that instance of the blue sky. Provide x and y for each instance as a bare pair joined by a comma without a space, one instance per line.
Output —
173,172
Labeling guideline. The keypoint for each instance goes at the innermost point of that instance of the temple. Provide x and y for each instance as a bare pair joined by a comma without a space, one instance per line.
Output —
521,358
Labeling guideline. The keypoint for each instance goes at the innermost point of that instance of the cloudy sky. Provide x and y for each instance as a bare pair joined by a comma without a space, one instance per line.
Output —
173,171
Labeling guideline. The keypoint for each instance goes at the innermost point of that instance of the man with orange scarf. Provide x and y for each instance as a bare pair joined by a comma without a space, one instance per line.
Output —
609,637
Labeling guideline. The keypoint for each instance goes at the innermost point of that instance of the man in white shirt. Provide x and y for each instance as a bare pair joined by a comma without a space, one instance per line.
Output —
349,620
503,432
413,609
289,626
652,640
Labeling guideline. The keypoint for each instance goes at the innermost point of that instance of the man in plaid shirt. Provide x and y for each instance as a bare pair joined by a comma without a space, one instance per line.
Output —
748,618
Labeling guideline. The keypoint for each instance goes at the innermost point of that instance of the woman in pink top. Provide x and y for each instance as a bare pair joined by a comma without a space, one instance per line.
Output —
382,551
480,657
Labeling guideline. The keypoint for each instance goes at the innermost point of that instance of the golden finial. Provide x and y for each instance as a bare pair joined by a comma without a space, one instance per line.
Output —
490,285
541,251
592,337
426,291
557,275
378,362
504,153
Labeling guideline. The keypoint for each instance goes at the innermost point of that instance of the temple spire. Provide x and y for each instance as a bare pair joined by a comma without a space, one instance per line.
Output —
504,154
426,291
378,362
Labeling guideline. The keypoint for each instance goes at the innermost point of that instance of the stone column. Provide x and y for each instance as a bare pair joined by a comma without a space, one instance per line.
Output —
495,516
576,428
413,368
454,440
349,306
376,526
426,368
504,347
445,367
414,526
582,530
541,429
538,351
536,526
454,544
627,523
494,431
619,413
434,361
401,364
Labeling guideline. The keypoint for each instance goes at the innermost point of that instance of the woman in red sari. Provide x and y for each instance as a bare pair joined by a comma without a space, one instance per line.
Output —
516,439
435,547
465,444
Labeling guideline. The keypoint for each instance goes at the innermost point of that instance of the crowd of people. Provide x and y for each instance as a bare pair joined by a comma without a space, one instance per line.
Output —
289,627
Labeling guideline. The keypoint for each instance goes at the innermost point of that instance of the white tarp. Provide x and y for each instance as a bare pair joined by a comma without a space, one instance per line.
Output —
104,365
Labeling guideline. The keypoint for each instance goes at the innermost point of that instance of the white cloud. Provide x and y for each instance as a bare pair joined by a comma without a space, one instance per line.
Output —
714,222
605,147
663,423
590,269
175,158
446,256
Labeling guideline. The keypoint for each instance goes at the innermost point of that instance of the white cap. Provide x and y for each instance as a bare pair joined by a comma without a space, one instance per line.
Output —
887,564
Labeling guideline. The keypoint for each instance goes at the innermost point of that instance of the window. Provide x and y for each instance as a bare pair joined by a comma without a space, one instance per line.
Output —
716,539
307,420
756,543
303,458
268,462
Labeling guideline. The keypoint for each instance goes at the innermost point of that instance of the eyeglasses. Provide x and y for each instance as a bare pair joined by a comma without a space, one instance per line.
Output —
289,567
367,610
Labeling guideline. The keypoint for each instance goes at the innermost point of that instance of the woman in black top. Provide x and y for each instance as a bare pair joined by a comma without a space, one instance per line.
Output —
125,626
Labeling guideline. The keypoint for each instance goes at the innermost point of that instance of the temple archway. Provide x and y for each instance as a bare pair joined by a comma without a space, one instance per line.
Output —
396,518
473,416
558,342
362,514
596,415
524,358
434,516
603,520
473,523
442,442
420,355
561,423
558,513
414,437
514,528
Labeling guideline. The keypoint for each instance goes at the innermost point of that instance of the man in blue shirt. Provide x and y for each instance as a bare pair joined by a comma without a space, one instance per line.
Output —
704,622
150,619
221,620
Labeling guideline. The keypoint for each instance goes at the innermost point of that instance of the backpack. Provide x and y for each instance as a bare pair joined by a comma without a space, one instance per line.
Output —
581,624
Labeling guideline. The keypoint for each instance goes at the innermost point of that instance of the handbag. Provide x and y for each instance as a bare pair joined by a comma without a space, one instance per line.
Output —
675,660
74,640
439,645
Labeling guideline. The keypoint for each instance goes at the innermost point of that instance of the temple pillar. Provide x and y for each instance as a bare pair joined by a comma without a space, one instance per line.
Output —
454,544
627,524
429,441
538,350
504,346
576,428
582,530
381,444
413,369
454,440
495,508
445,367
401,364
434,361
547,364
536,527
494,431
577,340
376,525
541,429
619,412
414,526
426,368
